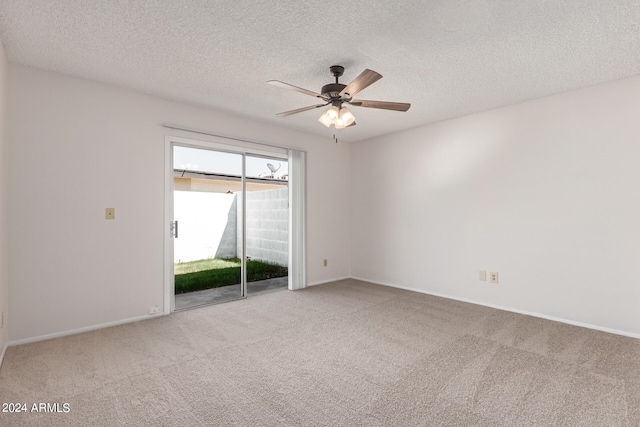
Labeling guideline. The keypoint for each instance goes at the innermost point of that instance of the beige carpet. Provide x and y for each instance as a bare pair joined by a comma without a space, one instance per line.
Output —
342,354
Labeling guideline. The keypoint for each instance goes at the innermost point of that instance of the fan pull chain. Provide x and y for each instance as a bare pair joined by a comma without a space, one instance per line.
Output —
334,138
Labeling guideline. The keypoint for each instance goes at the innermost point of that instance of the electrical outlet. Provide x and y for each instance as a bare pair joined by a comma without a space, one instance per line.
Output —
325,263
483,275
493,277
110,213
154,309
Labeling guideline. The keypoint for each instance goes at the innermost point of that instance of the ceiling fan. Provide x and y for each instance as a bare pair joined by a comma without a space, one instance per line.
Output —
338,94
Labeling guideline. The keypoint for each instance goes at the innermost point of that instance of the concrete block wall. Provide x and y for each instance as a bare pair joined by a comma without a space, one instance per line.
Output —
209,225
267,226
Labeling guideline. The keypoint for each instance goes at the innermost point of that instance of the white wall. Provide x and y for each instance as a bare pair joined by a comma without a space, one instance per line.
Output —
546,193
77,147
203,219
4,291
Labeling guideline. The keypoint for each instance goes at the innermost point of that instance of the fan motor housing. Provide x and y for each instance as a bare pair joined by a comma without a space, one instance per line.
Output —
333,90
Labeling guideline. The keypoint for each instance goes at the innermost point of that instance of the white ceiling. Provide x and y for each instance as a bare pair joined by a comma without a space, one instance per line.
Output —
447,58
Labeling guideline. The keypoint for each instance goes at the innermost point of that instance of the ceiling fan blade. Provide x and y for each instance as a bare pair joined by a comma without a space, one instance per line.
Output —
352,124
364,80
300,110
397,106
278,83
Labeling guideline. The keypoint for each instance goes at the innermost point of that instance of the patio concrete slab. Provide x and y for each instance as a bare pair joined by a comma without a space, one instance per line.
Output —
227,293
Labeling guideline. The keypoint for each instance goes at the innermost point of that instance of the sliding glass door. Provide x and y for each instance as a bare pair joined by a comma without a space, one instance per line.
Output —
229,224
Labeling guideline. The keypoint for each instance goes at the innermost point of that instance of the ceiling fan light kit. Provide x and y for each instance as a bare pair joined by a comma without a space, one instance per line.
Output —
330,116
336,94
341,118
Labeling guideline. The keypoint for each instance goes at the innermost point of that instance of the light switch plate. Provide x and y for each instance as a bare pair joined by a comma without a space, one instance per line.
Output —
110,213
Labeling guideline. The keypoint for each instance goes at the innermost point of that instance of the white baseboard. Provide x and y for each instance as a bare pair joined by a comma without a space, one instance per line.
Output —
513,310
85,329
329,281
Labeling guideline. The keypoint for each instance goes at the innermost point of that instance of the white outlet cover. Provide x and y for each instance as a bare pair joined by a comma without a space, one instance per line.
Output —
494,277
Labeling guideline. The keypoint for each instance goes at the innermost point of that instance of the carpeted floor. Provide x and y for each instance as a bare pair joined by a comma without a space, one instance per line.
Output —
342,354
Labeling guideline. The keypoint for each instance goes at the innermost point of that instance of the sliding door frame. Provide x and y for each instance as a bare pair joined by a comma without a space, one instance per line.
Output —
218,144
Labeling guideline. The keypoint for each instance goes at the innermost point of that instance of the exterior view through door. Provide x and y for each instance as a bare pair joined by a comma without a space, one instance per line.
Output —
223,251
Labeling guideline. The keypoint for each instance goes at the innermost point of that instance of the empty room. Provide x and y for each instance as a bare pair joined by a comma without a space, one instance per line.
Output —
243,213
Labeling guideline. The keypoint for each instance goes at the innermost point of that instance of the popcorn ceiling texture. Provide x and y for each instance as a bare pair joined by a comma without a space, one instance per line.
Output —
448,58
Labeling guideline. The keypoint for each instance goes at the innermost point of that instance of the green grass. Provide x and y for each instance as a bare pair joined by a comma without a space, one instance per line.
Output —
205,264
214,273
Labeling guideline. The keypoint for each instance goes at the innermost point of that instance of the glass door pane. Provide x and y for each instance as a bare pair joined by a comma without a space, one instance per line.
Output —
267,223
207,202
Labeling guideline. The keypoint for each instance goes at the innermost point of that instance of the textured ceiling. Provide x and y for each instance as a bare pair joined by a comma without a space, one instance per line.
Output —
447,58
